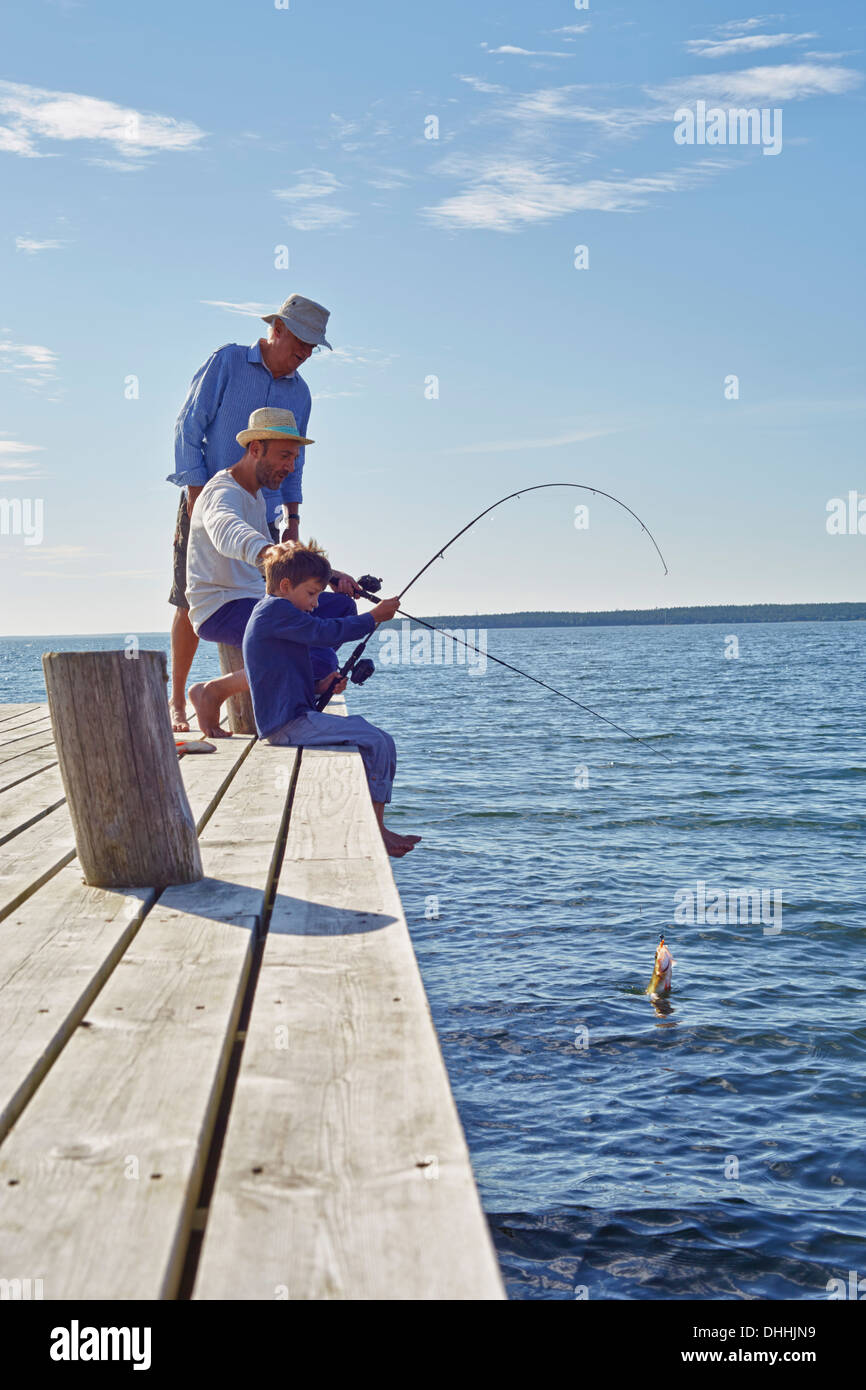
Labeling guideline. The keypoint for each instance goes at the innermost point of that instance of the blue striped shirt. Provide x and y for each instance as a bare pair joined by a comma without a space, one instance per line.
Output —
233,383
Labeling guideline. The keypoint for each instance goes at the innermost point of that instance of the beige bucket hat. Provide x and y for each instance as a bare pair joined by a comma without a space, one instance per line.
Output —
303,317
269,422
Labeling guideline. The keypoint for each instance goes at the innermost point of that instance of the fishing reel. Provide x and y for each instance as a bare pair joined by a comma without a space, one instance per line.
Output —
362,671
370,583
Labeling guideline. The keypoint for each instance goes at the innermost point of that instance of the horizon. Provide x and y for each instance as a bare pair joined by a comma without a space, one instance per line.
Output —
517,613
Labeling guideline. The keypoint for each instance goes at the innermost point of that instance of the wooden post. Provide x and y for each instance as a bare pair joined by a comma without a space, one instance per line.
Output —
132,820
239,707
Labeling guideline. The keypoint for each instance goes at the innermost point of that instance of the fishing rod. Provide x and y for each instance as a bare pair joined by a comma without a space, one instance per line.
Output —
362,670
584,487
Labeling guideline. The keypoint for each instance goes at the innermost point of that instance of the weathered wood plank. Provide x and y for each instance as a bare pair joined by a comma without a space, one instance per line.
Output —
12,751
9,739
22,721
32,857
36,797
100,1174
13,711
31,765
344,1173
58,948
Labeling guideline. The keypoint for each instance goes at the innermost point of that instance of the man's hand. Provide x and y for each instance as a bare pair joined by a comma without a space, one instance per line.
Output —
324,683
385,610
263,555
344,584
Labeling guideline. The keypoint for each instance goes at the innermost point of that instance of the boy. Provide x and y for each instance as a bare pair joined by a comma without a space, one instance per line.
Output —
277,641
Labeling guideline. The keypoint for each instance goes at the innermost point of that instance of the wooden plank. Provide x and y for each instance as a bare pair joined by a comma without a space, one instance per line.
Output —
344,1173
8,741
33,857
100,1174
31,765
36,798
22,721
13,711
60,946
12,751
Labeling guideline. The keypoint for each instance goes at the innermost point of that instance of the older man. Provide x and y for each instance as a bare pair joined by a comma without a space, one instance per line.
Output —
229,540
233,382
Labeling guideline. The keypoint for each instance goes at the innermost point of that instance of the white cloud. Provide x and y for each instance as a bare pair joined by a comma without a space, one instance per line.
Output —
743,26
11,452
28,357
12,446
24,243
506,195
505,446
478,86
764,86
34,114
745,43
528,52
571,29
249,310
358,357
309,209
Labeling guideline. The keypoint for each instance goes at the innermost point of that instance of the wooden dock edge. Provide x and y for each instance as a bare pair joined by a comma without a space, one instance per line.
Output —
344,1173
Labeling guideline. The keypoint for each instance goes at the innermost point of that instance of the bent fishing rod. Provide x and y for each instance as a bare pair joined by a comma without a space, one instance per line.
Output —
536,487
368,585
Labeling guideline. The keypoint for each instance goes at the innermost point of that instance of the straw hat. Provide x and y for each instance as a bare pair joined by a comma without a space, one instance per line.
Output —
269,422
303,317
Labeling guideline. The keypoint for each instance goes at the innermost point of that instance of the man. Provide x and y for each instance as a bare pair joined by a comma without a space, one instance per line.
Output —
229,541
233,381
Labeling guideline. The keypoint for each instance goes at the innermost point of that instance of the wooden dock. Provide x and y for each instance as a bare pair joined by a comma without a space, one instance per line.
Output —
230,1089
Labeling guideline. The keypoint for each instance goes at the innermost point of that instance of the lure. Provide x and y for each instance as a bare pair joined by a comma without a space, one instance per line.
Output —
193,745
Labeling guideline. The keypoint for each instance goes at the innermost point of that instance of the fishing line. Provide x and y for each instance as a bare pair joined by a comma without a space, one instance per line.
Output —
509,667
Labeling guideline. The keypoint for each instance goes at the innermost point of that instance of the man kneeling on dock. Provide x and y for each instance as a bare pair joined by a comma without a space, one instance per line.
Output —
228,541
277,643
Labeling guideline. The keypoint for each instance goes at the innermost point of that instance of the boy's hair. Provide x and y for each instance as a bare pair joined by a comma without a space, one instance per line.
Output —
296,562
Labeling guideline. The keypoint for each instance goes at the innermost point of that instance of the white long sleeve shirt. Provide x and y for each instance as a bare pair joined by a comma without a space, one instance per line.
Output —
228,530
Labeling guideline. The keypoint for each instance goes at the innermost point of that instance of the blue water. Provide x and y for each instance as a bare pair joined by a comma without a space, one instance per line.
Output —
706,1147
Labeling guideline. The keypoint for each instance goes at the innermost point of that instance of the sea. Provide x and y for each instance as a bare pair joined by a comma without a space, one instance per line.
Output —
708,1145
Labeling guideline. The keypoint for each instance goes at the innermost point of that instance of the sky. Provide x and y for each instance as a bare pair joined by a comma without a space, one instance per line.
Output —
428,172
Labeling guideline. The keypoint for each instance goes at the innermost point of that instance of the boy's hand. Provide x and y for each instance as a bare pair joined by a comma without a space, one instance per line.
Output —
385,610
325,682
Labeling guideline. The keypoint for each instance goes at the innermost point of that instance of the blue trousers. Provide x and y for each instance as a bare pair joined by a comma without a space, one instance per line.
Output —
319,730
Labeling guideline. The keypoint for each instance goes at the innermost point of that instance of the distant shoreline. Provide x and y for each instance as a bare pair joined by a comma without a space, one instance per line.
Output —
617,617
660,617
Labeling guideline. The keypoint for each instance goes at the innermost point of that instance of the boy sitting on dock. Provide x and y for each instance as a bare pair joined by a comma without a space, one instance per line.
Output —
276,645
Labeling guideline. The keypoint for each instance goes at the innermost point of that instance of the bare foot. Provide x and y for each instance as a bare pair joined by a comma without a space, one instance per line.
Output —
396,845
179,721
207,709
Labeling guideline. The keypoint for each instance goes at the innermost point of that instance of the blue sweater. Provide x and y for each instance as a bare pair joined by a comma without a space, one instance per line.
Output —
277,645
